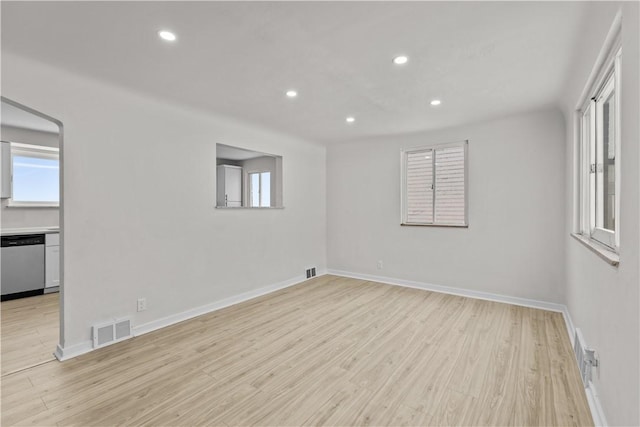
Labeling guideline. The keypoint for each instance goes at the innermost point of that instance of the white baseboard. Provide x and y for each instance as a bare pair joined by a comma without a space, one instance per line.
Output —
592,397
69,352
571,330
595,406
208,308
597,413
454,291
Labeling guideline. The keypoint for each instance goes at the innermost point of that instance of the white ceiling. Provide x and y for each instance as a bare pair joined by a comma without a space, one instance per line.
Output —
19,118
482,59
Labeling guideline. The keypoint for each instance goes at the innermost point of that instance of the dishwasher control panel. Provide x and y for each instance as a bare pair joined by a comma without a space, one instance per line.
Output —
32,239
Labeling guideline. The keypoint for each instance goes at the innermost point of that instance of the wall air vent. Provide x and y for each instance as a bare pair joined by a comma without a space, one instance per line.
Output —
112,332
311,272
585,356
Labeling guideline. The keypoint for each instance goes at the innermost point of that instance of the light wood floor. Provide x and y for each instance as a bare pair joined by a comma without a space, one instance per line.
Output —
30,328
330,351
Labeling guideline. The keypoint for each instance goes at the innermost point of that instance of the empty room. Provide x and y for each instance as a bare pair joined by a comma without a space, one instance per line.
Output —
320,213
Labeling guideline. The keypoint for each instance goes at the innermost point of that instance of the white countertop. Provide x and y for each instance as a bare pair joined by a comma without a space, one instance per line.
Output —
29,230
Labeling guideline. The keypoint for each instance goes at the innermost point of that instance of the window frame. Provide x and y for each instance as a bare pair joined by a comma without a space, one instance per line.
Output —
403,184
603,82
35,151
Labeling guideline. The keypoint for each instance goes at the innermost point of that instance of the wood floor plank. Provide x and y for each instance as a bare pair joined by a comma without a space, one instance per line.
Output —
329,351
468,374
30,328
192,409
341,408
451,409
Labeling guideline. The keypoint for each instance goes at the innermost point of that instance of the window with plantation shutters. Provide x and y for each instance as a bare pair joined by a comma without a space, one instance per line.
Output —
434,190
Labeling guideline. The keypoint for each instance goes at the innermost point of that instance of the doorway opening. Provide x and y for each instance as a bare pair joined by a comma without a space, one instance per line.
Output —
32,225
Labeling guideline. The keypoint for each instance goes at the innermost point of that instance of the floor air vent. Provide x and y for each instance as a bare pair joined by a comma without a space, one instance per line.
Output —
585,356
112,332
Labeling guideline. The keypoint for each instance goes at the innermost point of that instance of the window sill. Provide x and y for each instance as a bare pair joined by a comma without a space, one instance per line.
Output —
249,207
11,204
435,225
602,251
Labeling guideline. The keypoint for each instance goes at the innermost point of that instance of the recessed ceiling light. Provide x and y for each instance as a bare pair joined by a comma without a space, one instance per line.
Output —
292,93
436,102
167,35
399,60
350,119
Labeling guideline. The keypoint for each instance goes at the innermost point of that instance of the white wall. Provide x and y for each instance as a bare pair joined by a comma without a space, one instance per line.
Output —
604,300
14,217
514,243
139,202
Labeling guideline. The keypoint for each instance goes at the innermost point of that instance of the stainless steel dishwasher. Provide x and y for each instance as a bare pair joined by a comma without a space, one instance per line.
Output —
22,266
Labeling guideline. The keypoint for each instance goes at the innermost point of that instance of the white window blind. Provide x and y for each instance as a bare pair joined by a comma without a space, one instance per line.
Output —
434,185
420,187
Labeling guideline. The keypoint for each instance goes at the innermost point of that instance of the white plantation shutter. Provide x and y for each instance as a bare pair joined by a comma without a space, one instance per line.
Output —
434,185
420,187
450,179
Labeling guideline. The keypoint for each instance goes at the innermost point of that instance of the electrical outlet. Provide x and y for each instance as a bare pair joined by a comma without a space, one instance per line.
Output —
142,304
308,273
313,272
380,265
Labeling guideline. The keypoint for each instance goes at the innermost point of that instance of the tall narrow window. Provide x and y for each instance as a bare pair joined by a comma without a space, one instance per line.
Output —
605,158
434,185
260,189
600,148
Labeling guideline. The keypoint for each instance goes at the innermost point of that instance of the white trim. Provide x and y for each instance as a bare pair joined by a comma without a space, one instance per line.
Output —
603,251
525,302
597,413
618,141
248,207
208,308
612,43
13,204
577,174
571,330
595,406
66,353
